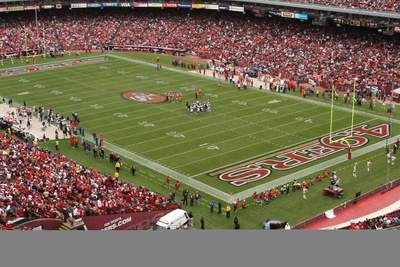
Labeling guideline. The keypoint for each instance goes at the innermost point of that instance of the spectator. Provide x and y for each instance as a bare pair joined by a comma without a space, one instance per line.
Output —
43,184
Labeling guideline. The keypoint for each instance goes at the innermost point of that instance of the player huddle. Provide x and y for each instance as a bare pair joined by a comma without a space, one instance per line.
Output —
172,97
198,107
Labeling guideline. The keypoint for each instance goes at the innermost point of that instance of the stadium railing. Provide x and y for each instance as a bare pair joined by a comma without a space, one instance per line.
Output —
381,189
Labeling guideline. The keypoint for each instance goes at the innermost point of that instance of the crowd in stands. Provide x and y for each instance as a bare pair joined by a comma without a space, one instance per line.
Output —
37,183
373,5
103,28
381,222
12,36
296,49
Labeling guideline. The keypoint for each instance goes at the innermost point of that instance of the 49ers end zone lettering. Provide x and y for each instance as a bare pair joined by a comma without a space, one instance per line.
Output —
34,68
288,160
143,97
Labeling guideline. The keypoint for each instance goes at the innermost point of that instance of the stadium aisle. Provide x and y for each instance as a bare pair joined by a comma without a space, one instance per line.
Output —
372,207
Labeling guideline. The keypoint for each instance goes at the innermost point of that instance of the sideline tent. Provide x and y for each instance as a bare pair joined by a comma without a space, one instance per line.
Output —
396,95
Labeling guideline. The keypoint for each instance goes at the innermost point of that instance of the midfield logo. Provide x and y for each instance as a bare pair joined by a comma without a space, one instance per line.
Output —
143,97
258,170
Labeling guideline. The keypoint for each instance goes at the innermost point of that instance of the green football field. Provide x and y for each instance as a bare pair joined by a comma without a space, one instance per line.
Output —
251,141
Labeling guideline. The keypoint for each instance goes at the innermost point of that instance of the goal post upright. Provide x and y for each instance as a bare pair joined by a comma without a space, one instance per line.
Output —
331,130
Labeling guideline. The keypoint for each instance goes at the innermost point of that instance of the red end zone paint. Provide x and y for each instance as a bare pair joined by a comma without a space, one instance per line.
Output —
51,66
143,97
298,157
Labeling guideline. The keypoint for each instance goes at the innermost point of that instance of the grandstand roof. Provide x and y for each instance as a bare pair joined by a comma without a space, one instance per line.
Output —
392,15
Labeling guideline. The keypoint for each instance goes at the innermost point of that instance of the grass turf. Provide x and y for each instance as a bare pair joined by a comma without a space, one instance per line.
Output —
243,125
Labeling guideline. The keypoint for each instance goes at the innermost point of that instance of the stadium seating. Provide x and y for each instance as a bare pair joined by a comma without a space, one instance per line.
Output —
373,5
385,221
297,50
37,183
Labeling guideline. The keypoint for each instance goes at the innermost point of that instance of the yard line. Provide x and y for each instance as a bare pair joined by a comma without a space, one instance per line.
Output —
313,169
224,130
164,110
52,62
166,171
188,122
223,153
229,140
274,151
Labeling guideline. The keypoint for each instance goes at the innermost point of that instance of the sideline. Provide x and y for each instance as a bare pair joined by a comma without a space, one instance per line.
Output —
218,194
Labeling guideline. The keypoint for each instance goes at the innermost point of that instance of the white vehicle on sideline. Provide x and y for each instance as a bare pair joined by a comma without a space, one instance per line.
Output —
175,220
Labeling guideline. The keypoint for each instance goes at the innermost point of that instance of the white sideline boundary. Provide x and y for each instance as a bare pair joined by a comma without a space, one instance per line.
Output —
218,194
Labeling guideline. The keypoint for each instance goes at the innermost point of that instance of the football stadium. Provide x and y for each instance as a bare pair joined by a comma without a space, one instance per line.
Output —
243,114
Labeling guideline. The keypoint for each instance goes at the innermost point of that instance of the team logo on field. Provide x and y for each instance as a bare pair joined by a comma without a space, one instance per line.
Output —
261,168
144,97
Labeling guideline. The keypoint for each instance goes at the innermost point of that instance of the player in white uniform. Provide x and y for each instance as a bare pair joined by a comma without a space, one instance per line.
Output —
355,170
198,108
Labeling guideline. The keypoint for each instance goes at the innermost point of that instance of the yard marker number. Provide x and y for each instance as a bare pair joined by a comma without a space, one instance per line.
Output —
73,98
175,134
304,119
96,106
274,111
210,147
146,124
162,82
211,95
119,114
239,102
122,72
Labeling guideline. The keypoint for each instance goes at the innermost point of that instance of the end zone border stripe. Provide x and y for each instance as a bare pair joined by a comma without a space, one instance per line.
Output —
212,174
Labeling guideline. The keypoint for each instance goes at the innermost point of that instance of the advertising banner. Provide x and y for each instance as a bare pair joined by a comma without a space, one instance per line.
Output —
223,7
110,4
198,6
155,5
47,7
92,5
301,16
236,8
59,6
212,7
357,23
31,7
184,5
78,5
15,8
125,221
287,14
140,4
3,9
170,5
397,29
125,4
